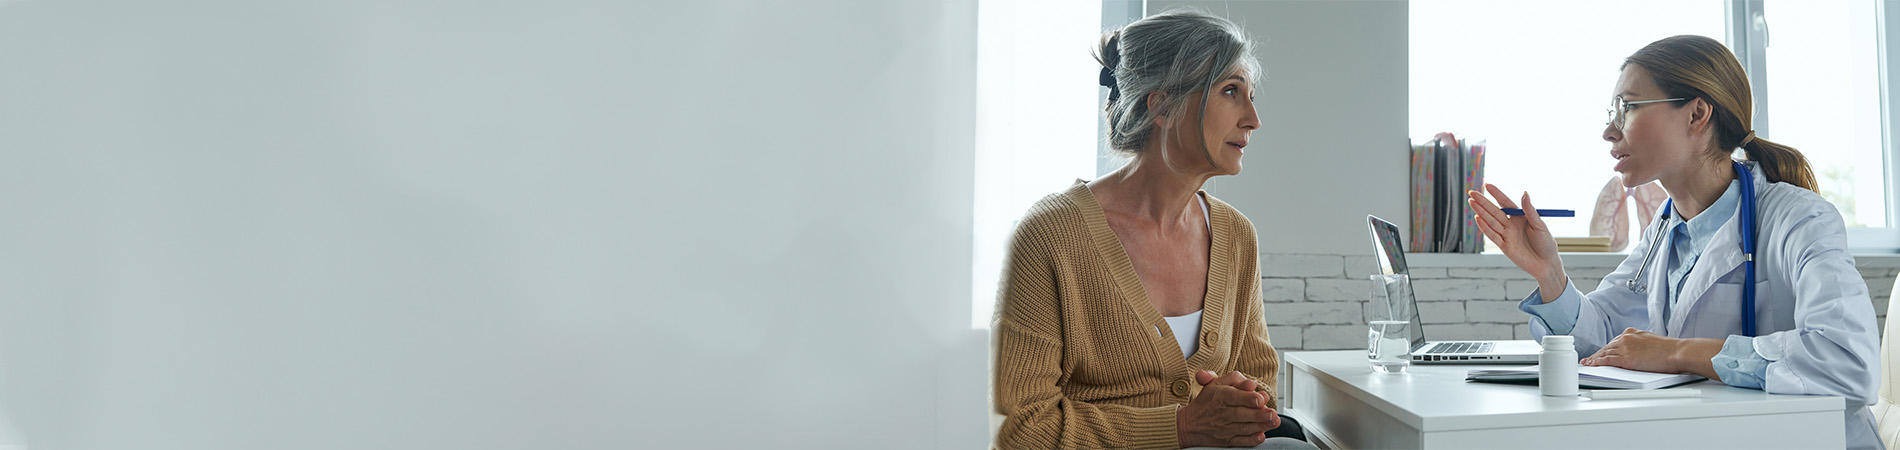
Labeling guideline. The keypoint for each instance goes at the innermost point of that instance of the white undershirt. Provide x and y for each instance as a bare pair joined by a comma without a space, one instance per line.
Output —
1188,326
1185,328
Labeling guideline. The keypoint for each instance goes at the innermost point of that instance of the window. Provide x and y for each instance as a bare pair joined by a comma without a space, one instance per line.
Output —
1821,83
1532,79
1537,97
1037,113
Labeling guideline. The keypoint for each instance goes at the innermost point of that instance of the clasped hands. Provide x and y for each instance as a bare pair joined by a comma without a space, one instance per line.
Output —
1229,412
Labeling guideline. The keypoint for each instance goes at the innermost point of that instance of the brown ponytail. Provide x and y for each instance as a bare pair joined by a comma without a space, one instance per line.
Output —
1699,67
1781,163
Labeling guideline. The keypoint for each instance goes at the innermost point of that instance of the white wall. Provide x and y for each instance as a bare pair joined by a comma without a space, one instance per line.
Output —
1332,142
413,224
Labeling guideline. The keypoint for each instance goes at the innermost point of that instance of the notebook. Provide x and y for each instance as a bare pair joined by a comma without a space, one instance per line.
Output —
1594,377
1391,254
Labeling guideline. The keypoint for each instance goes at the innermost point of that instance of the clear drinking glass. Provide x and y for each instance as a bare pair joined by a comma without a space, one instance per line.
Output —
1389,341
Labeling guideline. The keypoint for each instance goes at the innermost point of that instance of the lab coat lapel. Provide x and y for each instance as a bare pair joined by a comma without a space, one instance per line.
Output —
1723,256
1658,278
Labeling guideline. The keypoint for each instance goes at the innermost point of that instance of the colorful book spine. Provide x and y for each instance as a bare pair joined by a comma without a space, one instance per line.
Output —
1474,180
1449,188
1422,236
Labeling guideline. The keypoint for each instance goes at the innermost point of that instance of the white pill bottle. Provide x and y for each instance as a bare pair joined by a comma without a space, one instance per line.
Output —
1557,366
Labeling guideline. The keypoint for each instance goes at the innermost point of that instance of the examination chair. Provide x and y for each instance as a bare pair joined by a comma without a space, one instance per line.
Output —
1885,412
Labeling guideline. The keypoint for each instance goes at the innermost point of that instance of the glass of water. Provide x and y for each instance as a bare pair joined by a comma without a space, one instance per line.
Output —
1389,339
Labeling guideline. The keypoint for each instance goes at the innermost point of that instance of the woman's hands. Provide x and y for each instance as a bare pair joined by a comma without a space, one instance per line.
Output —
1227,413
1650,352
1238,381
1525,239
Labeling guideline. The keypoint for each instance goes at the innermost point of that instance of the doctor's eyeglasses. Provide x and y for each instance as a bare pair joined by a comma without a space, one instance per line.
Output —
1619,110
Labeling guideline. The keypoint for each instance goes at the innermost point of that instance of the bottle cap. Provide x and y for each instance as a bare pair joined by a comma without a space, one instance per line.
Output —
1559,342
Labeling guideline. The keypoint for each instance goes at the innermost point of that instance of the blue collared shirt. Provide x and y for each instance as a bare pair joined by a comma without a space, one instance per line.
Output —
1692,237
1738,364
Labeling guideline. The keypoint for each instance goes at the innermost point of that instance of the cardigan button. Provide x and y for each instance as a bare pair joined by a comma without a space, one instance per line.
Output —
1207,338
1180,388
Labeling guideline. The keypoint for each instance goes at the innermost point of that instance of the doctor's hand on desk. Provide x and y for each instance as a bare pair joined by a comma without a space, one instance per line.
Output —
1227,413
1525,239
1650,352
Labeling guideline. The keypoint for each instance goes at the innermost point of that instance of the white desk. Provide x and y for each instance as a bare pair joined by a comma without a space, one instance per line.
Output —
1344,405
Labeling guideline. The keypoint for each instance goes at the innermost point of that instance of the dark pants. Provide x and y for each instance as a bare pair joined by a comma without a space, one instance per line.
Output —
1289,428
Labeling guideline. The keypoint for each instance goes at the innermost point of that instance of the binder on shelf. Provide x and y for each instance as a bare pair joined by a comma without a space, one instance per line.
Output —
1441,171
1474,180
1422,169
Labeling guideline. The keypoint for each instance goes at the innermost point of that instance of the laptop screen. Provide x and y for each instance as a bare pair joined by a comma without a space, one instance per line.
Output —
1391,255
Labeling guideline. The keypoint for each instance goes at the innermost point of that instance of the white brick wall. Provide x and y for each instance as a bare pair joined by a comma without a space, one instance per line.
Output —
1315,313
1276,290
1285,335
1292,265
1337,290
1323,302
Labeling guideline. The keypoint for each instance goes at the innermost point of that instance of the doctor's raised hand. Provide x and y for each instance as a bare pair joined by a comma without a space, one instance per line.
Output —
1525,239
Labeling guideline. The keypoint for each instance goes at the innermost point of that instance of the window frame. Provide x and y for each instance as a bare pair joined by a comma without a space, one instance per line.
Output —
1748,36
1885,240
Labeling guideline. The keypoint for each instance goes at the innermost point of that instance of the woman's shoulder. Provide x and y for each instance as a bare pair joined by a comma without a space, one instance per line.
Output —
1785,207
1787,200
1229,213
1063,213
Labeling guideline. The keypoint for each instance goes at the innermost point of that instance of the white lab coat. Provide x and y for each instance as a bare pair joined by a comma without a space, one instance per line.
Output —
1813,316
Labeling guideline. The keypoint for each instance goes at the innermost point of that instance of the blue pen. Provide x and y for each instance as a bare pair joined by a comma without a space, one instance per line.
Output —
1541,212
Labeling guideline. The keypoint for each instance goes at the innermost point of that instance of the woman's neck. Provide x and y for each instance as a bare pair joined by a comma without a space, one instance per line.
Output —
1149,190
1695,189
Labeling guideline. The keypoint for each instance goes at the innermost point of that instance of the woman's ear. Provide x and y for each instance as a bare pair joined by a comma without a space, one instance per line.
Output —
1155,99
1701,115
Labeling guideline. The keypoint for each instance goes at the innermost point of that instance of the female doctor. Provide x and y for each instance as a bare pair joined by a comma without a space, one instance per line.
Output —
1677,304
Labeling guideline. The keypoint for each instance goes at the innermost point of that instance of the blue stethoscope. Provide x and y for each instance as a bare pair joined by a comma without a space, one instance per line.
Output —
1748,249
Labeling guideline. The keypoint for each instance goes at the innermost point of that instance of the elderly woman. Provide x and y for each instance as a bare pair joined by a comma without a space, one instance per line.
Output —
1129,312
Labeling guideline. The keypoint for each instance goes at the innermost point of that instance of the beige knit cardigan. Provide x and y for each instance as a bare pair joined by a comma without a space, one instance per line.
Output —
1083,360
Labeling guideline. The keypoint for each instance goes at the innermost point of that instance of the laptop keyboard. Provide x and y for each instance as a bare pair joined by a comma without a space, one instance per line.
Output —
1461,347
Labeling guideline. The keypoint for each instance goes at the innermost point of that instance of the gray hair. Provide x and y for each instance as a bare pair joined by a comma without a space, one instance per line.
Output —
1174,53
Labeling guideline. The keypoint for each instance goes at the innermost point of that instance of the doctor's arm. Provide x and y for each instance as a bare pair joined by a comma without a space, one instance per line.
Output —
1650,352
1610,321
1834,346
1556,307
1830,351
1595,318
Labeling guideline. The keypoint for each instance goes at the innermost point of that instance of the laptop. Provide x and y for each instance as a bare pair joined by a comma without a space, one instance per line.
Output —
1391,256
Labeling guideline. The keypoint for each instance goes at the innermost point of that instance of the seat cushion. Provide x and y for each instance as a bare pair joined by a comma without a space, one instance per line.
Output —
1886,416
